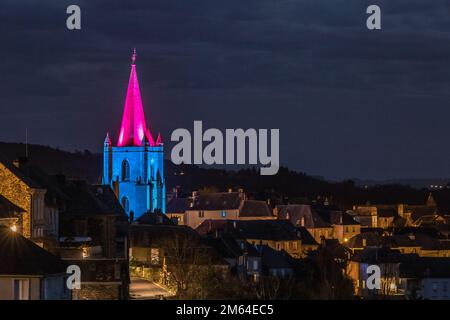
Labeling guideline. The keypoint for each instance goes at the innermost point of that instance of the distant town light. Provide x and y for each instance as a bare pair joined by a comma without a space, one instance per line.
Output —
85,252
345,240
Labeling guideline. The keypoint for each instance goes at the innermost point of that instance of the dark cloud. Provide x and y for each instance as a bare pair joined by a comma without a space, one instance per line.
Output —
349,102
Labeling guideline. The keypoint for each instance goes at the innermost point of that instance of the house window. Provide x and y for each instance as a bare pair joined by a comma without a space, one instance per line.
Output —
126,204
201,214
21,289
255,265
125,170
154,256
223,214
294,245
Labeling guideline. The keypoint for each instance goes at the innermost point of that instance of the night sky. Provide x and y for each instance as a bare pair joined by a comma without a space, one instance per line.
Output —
349,102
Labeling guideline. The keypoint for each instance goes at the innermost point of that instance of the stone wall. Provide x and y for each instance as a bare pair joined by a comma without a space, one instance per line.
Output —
16,191
97,292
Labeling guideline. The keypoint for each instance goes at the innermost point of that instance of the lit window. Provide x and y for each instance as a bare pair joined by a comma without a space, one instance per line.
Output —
154,256
223,214
255,265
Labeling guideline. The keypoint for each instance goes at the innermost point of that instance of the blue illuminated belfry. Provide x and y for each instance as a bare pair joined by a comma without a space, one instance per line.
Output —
135,167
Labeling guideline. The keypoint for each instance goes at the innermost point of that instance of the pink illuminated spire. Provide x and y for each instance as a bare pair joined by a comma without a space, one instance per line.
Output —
133,126
158,140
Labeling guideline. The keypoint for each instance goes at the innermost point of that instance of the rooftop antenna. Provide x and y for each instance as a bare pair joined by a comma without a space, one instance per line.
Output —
26,142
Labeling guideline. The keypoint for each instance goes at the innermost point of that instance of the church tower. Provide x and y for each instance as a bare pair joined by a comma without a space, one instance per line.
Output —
134,167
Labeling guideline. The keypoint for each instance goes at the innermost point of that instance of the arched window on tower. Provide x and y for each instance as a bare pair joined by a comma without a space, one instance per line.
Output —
125,170
126,204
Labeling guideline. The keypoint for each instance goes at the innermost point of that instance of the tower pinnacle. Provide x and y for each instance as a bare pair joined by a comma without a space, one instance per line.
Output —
133,57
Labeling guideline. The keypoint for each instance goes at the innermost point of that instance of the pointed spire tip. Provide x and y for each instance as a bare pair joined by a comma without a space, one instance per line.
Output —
133,57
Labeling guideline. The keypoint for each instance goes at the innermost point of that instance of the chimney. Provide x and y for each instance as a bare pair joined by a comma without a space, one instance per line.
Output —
400,209
116,188
131,216
302,221
20,162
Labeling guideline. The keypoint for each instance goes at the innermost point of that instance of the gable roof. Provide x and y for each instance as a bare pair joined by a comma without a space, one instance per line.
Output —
21,175
177,205
295,213
306,237
20,256
275,259
254,208
91,200
217,201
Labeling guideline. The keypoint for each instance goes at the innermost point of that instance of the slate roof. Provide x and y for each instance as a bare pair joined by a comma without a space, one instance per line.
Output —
20,256
306,237
91,200
228,247
381,255
254,208
8,209
217,201
154,218
426,267
420,211
177,205
387,212
21,175
295,212
277,230
373,239
275,259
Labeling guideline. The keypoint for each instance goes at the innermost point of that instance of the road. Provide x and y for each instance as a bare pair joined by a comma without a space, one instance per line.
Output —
144,290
